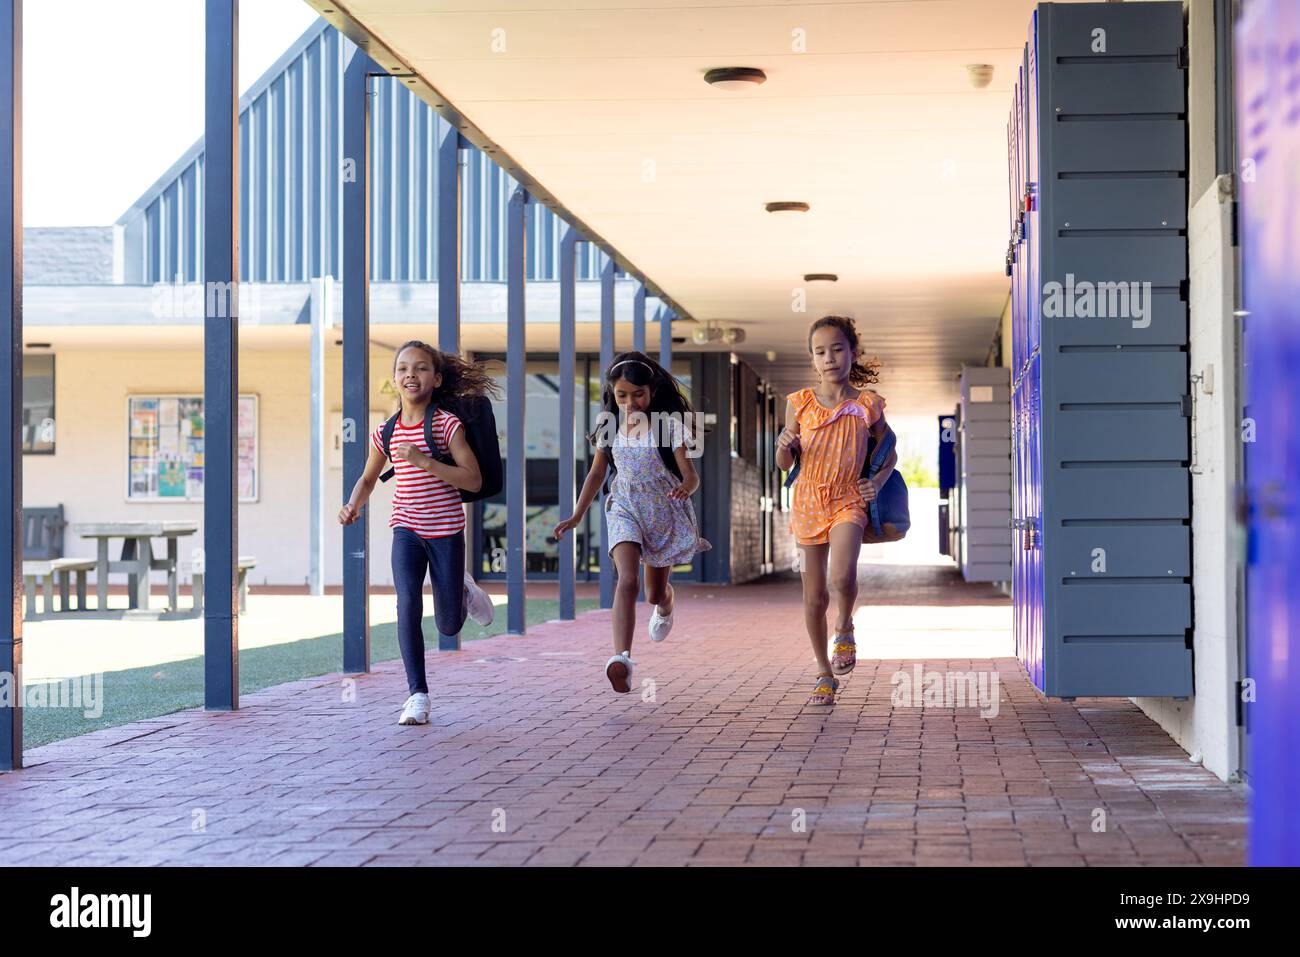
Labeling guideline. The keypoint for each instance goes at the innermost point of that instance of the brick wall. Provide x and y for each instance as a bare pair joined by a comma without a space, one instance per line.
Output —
746,519
783,546
746,540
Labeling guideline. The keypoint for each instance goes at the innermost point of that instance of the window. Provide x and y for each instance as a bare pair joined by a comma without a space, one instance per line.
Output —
38,404
165,438
744,412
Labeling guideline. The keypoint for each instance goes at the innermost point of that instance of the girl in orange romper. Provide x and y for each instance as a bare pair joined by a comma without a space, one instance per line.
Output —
829,426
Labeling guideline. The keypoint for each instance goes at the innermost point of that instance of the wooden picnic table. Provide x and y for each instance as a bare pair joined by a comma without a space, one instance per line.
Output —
137,558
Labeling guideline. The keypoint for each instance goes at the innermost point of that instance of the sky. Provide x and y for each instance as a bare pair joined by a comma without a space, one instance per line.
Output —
113,94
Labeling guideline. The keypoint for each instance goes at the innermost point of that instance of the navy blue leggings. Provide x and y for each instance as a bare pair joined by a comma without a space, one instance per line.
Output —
442,560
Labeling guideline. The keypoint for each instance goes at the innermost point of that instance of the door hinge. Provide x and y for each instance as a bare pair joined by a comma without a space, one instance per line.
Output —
1184,58
1185,405
1241,717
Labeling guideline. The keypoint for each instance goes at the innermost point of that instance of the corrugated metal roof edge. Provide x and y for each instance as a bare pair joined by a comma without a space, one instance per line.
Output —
367,43
257,89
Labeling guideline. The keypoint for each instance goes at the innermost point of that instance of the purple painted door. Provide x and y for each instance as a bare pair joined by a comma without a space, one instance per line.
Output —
1268,124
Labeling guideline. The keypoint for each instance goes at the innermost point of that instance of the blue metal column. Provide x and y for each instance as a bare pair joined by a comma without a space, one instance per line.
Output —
666,360
11,375
568,415
221,356
606,360
448,238
638,318
356,352
666,338
448,160
516,389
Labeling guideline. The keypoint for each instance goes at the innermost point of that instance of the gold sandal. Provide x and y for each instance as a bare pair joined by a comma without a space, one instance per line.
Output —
824,694
844,653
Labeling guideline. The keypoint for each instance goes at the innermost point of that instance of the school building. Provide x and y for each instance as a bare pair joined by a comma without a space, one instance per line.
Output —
121,306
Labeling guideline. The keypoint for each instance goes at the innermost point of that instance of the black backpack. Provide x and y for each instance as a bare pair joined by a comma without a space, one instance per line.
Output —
480,424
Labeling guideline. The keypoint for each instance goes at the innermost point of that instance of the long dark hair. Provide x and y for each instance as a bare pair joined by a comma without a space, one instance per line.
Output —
461,378
863,371
666,398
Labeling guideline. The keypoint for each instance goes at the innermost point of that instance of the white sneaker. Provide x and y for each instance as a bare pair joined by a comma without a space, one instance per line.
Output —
416,710
619,672
660,625
478,602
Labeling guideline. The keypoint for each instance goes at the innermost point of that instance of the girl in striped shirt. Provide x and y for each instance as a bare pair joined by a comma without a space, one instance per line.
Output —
428,519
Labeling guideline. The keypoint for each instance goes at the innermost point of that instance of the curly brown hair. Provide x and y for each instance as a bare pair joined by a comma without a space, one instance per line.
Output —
460,377
863,371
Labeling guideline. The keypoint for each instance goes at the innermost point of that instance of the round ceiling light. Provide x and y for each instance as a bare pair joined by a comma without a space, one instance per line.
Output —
785,207
979,74
821,277
735,78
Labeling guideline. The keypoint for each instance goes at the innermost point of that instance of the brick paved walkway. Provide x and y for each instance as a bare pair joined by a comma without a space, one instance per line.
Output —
530,758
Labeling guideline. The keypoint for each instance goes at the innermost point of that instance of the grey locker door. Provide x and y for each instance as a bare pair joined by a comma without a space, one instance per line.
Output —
1115,491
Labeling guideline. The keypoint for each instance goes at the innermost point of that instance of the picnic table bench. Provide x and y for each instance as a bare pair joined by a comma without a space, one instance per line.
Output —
137,558
44,568
47,571
246,562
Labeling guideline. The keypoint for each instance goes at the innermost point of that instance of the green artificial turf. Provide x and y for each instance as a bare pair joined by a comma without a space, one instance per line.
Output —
157,690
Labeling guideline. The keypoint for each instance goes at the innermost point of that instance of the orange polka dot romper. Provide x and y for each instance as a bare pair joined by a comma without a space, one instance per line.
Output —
832,448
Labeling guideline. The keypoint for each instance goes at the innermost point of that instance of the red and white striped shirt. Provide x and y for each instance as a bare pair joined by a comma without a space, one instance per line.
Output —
423,502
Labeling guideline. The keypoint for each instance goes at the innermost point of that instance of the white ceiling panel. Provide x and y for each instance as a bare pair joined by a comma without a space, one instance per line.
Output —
867,114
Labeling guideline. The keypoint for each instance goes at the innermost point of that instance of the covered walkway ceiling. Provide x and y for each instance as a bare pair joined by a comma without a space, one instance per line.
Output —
867,114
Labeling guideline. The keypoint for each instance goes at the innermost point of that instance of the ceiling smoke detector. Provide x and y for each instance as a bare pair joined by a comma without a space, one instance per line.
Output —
733,78
979,74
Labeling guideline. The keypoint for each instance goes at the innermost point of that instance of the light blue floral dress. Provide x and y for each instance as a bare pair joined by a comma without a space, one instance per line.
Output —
638,509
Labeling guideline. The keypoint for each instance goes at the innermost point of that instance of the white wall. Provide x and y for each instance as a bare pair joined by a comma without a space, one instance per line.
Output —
1206,723
87,473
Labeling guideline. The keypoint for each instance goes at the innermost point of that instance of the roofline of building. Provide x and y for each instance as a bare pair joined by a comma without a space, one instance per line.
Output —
385,59
263,83
353,30
288,303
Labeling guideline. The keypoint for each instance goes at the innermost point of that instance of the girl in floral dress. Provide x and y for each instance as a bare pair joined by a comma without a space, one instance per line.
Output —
643,438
